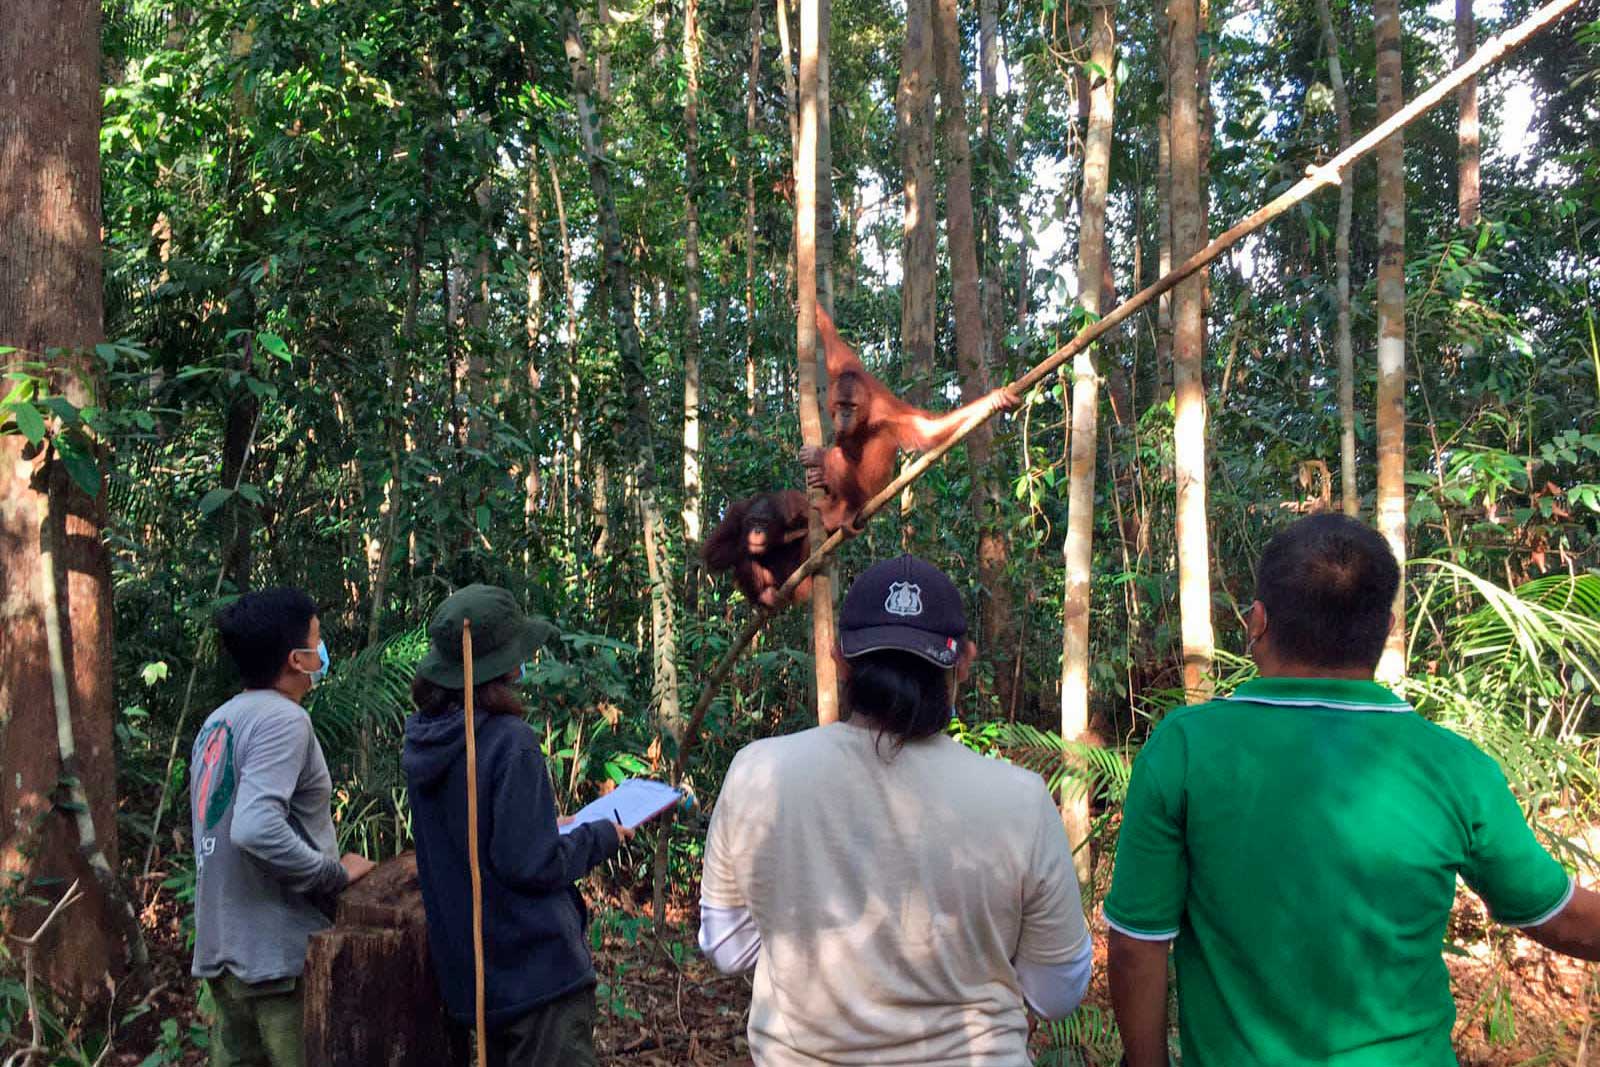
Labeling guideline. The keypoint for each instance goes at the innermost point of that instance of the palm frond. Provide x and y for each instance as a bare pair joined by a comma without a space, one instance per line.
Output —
1073,767
1524,668
1551,619
372,687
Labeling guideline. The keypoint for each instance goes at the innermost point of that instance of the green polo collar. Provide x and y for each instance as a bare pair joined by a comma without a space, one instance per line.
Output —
1338,693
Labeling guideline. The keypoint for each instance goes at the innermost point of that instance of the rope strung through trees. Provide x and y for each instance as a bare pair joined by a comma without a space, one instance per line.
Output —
1315,178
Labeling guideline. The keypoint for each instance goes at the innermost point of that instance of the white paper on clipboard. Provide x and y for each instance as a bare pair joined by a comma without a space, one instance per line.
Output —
633,802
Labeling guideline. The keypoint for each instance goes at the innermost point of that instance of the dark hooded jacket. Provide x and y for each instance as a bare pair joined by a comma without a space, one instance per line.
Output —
533,917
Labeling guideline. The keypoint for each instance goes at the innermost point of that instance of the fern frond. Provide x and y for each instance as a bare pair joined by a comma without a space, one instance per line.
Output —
1075,767
1089,1031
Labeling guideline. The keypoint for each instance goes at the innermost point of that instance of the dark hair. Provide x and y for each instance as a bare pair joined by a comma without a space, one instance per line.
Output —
494,696
260,629
1328,582
902,692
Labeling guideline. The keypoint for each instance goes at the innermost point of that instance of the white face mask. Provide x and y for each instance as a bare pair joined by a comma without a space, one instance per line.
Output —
321,672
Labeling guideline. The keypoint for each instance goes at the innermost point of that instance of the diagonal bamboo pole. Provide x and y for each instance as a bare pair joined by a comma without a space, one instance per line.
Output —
1316,177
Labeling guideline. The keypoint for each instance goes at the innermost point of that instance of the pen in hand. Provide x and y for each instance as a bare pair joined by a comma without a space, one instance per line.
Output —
623,833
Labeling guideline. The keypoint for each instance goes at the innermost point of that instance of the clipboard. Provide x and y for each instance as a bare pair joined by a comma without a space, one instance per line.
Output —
634,802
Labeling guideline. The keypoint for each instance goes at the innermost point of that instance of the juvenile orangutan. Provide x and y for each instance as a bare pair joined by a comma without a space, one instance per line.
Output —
762,539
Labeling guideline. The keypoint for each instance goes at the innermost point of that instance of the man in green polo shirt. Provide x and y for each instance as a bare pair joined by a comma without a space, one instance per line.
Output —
1300,841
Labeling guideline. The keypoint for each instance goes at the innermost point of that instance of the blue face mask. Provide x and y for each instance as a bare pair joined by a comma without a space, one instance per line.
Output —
321,672
522,675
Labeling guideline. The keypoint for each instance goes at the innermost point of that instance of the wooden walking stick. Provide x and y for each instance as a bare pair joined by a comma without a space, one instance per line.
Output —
472,845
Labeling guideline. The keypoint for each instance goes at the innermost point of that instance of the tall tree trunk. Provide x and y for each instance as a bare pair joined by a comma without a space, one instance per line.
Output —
533,330
599,517
914,124
807,218
1164,214
751,160
56,668
692,504
237,517
1350,496
988,64
1188,356
1208,121
791,91
396,437
238,443
380,542
998,626
1391,321
619,284
791,95
602,51
825,205
995,164
914,118
1079,546
1466,120
477,317
1467,193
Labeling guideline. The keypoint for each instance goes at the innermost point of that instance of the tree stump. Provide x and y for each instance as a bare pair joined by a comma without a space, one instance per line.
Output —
371,999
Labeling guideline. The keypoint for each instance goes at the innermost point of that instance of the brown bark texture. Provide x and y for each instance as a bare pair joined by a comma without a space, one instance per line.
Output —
476,321
692,506
376,956
807,221
1188,355
997,615
1078,548
51,310
1391,415
1164,209
1467,193
533,328
995,164
914,124
825,206
1350,497
750,163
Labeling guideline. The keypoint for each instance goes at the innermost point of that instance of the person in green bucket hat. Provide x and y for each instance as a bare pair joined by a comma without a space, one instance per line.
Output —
539,1000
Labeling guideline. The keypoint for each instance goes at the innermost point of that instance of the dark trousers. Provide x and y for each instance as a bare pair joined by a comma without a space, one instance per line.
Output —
557,1034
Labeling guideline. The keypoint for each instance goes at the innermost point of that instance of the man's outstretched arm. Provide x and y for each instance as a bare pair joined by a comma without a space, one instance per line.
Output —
1575,929
1138,971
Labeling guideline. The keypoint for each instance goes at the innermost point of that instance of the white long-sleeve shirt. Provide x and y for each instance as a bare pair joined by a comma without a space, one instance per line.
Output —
730,940
898,903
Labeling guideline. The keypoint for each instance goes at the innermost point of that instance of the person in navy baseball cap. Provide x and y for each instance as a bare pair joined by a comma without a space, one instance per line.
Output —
903,648
904,604
877,862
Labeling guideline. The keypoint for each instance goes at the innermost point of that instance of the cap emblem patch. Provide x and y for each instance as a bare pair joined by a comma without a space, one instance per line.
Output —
905,598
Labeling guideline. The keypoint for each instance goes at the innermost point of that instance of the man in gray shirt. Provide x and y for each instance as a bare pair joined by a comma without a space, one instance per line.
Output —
267,865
